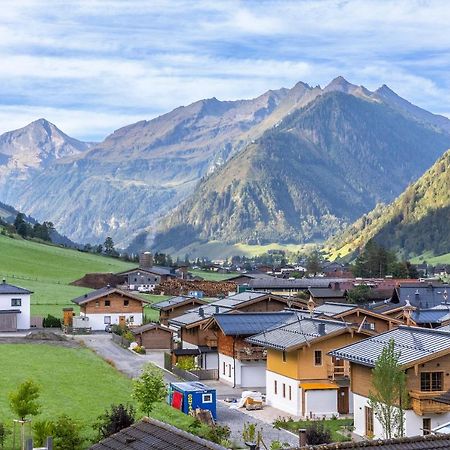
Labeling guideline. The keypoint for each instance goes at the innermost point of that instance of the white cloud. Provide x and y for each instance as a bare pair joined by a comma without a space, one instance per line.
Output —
115,60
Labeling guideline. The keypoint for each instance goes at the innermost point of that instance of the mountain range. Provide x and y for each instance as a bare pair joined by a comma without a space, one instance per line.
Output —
292,165
417,222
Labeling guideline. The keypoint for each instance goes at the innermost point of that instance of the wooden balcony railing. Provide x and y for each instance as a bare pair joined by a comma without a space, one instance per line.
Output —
338,371
211,342
423,403
251,353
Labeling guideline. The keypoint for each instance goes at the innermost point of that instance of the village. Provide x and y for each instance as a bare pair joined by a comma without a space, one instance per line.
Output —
265,348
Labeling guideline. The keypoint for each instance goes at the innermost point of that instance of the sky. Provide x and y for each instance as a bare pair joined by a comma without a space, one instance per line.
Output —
91,67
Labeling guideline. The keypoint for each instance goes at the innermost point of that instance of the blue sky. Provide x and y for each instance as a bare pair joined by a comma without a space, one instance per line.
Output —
91,67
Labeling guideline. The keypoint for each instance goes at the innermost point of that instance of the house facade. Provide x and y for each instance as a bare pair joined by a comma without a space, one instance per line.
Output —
153,336
301,378
425,358
175,306
14,307
111,306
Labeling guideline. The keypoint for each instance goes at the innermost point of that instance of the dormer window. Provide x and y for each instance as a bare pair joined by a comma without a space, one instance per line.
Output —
107,303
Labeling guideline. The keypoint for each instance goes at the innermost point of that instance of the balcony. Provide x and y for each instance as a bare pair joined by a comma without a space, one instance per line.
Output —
211,342
337,371
423,403
251,354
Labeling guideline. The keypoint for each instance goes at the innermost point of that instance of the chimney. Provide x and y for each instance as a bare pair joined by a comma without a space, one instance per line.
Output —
217,309
321,328
201,312
302,438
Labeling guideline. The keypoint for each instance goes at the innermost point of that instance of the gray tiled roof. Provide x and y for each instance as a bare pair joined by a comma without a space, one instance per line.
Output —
331,308
326,293
295,332
438,314
423,295
150,434
246,324
150,326
413,343
158,270
444,328
6,288
219,306
173,301
300,283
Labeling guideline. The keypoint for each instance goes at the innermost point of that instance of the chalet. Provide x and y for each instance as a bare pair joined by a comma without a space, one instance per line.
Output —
245,278
301,379
152,434
359,316
14,307
425,357
191,325
175,306
153,336
109,306
432,317
241,363
145,279
421,295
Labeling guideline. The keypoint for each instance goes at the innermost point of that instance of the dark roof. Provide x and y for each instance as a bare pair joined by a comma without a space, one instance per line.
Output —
331,308
158,270
297,331
443,398
429,442
246,324
150,326
423,295
6,288
250,275
298,283
151,434
175,301
438,314
326,293
98,293
413,343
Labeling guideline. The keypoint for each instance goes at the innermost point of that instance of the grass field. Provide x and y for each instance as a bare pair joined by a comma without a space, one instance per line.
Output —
47,270
211,276
433,260
73,381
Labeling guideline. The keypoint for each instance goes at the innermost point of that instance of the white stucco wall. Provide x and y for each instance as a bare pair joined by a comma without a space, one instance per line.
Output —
185,344
248,374
321,403
292,406
210,360
24,317
97,321
413,422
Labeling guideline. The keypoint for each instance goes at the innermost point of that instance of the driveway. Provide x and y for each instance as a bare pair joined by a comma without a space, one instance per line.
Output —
131,364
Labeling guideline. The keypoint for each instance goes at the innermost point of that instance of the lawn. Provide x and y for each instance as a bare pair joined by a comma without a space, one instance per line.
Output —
152,314
212,276
73,381
47,270
334,425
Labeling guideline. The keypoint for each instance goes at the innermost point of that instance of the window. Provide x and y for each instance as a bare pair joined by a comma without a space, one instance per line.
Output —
207,398
131,319
224,371
426,426
107,303
16,302
97,304
126,302
135,280
431,381
275,387
284,390
107,320
290,392
318,358
283,356
229,370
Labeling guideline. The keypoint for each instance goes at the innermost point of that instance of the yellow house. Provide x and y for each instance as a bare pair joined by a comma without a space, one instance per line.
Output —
301,378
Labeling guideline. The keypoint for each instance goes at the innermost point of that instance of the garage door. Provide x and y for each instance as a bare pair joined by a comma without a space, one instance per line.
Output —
253,376
8,322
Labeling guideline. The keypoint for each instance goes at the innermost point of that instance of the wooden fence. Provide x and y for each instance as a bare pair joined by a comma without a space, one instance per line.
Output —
125,343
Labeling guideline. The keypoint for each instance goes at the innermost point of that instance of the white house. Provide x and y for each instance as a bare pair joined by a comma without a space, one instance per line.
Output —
425,357
111,306
14,307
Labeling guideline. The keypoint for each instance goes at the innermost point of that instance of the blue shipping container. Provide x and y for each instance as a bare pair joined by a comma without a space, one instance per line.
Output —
190,395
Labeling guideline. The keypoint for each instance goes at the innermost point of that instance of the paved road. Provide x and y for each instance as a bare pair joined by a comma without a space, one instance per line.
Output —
131,364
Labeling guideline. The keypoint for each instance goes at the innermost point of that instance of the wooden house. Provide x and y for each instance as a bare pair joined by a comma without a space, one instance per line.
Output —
424,355
175,306
153,336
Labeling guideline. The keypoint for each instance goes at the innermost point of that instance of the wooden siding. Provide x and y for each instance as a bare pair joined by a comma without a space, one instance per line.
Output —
175,311
381,325
155,338
117,305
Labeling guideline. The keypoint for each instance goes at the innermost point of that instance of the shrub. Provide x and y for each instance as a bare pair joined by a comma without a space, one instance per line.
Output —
4,432
218,433
139,349
113,420
42,429
67,435
117,330
51,322
186,363
149,388
249,432
128,335
317,433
